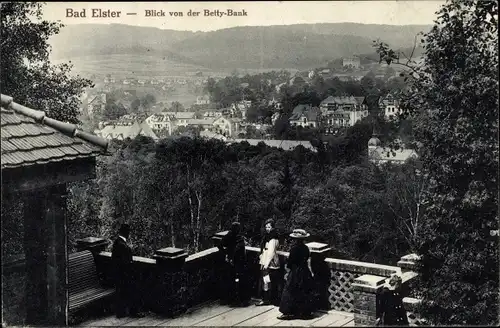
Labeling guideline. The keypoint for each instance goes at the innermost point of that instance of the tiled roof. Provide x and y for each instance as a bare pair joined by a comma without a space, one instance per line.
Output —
310,112
30,138
343,100
123,132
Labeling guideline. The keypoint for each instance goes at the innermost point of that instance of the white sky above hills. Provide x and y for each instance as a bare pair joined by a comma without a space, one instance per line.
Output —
396,12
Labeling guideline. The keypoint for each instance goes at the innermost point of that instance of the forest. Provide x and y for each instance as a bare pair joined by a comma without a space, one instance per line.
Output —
181,191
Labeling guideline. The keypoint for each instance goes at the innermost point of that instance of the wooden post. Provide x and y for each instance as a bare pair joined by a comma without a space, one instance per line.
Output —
57,256
46,257
36,258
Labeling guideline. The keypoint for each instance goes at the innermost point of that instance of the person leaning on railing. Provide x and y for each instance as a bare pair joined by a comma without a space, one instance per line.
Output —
233,246
390,310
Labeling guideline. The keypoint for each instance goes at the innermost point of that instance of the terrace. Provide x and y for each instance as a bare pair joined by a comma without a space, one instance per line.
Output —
182,290
174,288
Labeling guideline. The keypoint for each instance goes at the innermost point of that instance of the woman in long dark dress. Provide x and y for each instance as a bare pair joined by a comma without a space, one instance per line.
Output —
390,310
297,298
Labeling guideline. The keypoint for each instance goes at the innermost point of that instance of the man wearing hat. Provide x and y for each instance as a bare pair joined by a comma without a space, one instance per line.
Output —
122,261
233,247
297,299
390,310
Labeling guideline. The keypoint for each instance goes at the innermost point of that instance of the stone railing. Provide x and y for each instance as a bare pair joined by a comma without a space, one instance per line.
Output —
170,282
343,285
367,288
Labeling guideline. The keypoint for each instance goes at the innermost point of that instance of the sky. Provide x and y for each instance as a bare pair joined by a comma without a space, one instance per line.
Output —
395,12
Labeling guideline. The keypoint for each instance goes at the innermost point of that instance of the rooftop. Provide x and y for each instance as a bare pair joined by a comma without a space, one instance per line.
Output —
215,314
29,138
127,131
343,100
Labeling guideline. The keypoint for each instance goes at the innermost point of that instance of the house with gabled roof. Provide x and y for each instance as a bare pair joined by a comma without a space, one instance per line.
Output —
229,127
126,131
96,104
343,111
305,116
390,105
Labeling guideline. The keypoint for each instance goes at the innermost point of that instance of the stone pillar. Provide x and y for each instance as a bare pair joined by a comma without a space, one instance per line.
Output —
409,269
409,263
321,271
169,295
222,268
217,238
93,244
366,290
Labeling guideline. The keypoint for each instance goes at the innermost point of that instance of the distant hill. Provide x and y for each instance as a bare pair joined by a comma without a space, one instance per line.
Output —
289,46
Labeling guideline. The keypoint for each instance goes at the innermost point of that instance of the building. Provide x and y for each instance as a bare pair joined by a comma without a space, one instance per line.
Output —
202,100
351,62
96,105
275,104
390,105
325,73
212,114
380,155
212,135
229,127
206,124
297,81
240,108
41,157
338,112
305,116
126,130
168,121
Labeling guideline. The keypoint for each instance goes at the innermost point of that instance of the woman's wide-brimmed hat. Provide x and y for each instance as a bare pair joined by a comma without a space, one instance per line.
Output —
299,234
394,281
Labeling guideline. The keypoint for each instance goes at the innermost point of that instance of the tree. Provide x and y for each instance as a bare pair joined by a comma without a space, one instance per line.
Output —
147,101
176,107
454,98
114,110
134,106
406,197
27,74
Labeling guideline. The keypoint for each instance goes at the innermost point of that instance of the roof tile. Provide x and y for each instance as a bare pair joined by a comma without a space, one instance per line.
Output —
28,142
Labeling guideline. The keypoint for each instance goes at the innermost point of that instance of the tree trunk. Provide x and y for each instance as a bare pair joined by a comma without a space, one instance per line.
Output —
198,220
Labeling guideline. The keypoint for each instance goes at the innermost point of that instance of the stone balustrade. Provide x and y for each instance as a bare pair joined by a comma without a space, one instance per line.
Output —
172,281
168,283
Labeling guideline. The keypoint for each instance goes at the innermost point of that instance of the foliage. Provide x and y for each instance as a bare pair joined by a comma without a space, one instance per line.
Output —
176,107
27,74
453,98
181,191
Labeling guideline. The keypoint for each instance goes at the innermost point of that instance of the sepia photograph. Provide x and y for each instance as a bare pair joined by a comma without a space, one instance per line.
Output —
252,163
